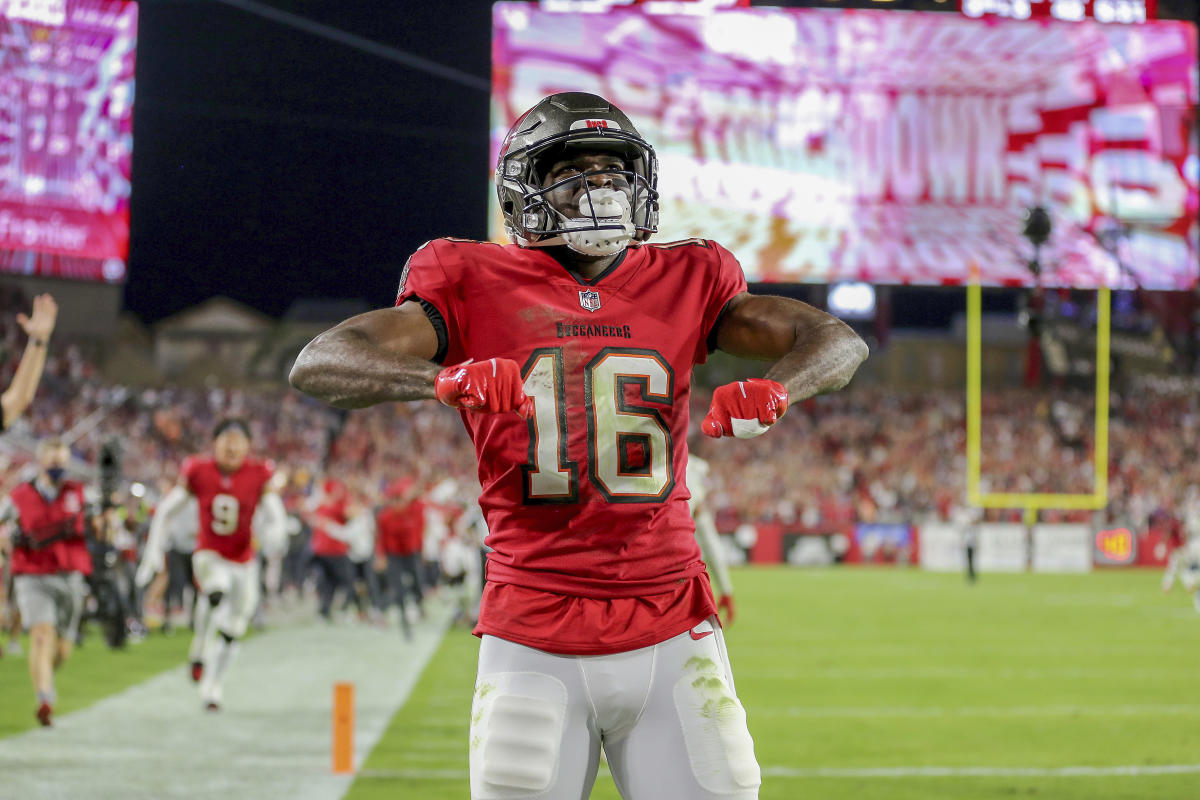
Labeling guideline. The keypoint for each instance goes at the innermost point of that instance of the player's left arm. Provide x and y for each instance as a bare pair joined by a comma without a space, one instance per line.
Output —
813,351
273,531
155,550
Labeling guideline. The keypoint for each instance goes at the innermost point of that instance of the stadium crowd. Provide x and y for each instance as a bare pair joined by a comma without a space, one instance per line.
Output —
870,454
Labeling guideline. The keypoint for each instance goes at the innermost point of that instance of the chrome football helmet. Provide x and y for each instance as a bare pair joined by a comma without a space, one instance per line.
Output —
610,218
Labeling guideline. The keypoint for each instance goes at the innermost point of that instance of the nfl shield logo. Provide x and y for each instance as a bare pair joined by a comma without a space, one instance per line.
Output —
589,299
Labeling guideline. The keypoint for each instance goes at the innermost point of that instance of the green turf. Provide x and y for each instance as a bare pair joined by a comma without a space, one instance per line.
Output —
866,668
92,672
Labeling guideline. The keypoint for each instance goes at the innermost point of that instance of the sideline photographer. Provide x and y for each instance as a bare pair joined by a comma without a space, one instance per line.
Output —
113,590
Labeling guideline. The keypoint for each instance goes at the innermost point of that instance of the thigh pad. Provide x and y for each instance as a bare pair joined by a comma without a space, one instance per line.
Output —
714,728
517,727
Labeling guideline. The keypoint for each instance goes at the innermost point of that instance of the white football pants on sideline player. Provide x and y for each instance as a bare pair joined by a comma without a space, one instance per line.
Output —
667,716
238,585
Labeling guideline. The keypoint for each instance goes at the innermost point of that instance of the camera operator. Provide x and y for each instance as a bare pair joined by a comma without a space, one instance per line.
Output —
50,563
112,585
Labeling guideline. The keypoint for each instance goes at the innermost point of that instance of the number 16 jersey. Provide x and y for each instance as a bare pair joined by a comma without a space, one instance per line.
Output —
593,545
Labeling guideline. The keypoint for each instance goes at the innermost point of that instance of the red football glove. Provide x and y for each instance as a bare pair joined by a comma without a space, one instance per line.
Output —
745,409
494,385
725,604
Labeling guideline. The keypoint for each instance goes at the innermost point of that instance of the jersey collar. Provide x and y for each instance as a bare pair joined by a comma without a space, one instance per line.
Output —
609,270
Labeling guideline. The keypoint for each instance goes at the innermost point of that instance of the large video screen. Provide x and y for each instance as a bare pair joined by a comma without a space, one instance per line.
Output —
892,147
66,136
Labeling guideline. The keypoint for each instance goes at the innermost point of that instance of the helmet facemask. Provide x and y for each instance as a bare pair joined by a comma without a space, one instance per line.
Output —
608,201
611,216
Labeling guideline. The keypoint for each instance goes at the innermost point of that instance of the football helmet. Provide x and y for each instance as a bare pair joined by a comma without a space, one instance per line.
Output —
558,127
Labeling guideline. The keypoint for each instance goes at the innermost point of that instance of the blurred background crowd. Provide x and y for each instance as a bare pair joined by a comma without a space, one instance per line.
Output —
869,454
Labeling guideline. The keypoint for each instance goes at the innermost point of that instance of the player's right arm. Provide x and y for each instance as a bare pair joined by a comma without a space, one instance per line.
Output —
376,357
155,550
387,355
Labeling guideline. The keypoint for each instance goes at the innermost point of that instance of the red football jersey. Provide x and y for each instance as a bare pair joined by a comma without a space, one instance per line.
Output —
586,501
227,504
322,542
400,529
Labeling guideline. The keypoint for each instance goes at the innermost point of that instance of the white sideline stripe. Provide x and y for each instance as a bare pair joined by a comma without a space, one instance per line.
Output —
270,740
977,711
942,673
1133,770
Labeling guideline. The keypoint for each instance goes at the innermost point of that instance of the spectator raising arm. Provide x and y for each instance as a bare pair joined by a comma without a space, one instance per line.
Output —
37,326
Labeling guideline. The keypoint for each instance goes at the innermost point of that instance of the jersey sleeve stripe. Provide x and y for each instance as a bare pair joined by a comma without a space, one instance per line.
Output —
711,340
439,326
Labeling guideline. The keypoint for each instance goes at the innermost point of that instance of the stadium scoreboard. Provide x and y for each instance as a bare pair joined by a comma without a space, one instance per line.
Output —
861,145
66,136
1121,11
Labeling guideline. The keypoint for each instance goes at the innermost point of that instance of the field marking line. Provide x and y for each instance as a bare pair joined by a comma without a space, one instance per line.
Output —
1134,770
1131,770
977,711
891,673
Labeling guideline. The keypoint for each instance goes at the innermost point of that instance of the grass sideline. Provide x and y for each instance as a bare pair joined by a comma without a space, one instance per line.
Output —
92,673
856,669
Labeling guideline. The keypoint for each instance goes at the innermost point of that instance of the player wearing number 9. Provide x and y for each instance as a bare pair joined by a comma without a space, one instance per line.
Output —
568,355
228,486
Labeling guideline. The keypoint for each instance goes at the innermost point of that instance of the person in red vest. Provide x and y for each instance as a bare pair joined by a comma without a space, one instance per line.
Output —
50,562
329,547
38,325
400,528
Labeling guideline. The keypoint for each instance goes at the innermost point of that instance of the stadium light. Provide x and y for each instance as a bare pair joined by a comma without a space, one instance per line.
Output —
852,300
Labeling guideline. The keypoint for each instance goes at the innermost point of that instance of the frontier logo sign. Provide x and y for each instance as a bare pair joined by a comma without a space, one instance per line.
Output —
1116,547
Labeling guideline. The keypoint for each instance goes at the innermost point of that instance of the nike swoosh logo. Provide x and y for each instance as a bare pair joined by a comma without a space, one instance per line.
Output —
699,636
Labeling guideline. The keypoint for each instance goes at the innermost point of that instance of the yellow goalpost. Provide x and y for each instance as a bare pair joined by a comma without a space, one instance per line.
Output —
1032,502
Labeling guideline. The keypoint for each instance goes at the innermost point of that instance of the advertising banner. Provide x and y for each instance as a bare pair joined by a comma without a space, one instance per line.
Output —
1115,547
1062,548
877,543
1003,547
941,548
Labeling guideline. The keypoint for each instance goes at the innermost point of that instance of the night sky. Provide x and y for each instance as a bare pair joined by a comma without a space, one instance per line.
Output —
271,164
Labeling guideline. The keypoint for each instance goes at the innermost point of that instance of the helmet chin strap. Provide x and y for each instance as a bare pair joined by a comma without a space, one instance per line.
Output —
611,232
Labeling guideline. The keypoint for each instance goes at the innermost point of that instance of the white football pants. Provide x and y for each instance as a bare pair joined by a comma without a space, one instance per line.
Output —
237,584
667,716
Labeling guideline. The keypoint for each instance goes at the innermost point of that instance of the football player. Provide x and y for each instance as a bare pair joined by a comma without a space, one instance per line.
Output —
715,561
228,487
328,519
569,356
401,527
1186,562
